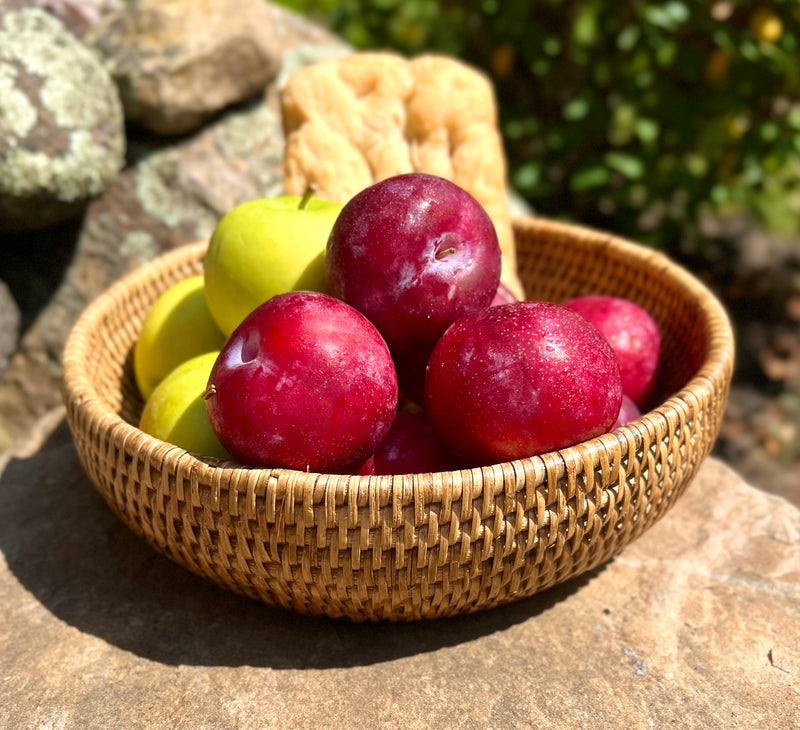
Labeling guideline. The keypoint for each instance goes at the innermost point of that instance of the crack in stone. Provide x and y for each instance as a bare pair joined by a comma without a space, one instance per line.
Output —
771,661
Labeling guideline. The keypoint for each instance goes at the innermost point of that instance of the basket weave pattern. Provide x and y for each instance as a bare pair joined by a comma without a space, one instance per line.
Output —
412,546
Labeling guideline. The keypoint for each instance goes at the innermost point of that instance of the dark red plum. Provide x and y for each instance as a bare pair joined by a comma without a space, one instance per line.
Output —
304,382
413,253
504,295
410,447
520,379
634,336
628,412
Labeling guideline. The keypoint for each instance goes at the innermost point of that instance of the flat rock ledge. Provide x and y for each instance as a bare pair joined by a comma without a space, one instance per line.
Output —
694,625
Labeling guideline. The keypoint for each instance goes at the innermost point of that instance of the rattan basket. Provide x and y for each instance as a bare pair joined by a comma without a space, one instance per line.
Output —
423,545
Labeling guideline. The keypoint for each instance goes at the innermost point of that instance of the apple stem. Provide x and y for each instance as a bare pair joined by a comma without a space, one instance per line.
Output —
444,253
211,390
307,195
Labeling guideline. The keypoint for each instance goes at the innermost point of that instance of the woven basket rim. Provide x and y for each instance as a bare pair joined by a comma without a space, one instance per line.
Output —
78,389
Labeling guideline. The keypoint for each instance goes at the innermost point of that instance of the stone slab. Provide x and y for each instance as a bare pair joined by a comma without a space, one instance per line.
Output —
695,625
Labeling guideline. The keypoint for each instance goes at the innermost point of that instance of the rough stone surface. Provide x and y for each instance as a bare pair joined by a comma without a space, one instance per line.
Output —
80,16
179,62
10,318
62,137
694,625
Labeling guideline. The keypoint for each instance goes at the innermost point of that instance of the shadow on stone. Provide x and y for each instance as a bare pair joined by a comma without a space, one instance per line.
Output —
67,548
33,263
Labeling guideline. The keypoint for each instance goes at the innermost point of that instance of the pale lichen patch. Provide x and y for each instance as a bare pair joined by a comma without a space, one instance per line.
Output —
138,247
168,203
36,38
70,108
27,172
42,45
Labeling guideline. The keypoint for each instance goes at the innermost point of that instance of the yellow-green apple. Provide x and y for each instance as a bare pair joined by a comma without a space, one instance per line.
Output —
266,247
176,410
177,327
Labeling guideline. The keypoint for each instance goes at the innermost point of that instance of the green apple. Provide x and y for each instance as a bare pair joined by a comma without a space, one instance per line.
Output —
176,410
266,247
177,326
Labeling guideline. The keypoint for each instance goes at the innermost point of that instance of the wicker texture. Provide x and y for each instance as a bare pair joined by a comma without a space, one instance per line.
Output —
412,546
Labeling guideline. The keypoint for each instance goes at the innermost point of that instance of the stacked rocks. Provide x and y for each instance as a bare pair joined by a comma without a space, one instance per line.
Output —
125,130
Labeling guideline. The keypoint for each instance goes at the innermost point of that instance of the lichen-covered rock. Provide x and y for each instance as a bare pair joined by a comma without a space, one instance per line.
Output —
62,137
179,62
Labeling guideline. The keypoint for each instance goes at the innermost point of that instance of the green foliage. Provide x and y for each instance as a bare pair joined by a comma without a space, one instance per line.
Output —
632,115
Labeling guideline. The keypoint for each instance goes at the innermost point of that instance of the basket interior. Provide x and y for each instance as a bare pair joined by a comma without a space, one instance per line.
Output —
555,263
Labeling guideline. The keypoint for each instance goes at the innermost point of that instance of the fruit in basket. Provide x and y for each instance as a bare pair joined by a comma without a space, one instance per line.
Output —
520,379
410,447
265,247
305,382
413,253
628,411
177,327
176,410
634,336
504,295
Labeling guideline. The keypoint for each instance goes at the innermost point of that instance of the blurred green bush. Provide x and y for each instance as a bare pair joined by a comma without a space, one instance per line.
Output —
632,115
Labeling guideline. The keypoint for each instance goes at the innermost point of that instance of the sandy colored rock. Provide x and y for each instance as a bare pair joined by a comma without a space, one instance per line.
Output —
693,625
358,119
179,62
10,318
